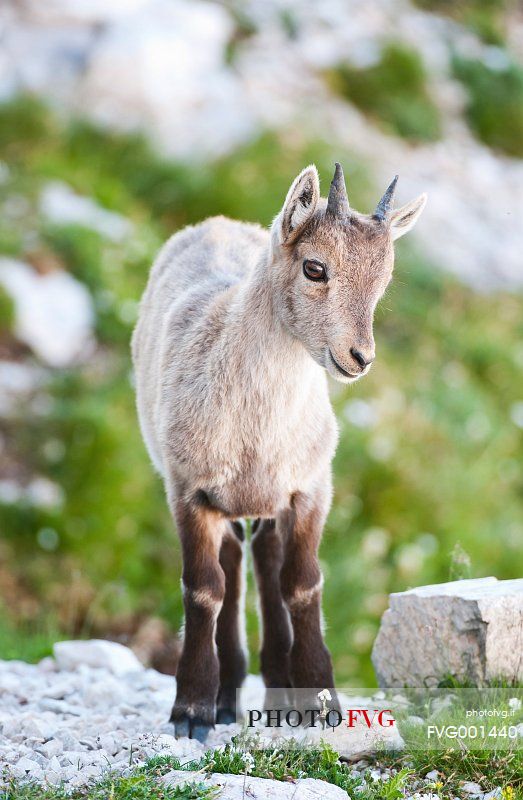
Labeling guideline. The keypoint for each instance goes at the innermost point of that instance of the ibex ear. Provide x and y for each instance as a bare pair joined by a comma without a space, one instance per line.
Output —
404,218
300,202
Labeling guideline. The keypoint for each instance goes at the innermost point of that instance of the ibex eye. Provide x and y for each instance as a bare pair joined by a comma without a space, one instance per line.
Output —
314,270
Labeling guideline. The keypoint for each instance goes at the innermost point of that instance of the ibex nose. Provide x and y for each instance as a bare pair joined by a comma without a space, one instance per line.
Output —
363,360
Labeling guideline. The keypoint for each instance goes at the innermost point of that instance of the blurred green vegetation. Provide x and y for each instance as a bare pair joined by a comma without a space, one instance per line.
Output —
430,450
495,105
487,18
27,640
394,92
6,311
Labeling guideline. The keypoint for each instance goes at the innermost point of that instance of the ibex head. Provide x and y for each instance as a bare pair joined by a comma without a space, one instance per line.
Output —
331,265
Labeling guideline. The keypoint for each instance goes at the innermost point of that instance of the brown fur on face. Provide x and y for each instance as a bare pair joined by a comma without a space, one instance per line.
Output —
336,315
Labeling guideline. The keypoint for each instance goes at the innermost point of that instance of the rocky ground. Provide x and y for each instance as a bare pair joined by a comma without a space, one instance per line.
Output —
71,719
93,709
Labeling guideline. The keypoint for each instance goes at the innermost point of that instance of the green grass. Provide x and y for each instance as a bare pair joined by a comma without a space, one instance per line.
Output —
288,763
29,640
486,18
429,449
489,769
393,92
141,784
495,103
291,763
6,311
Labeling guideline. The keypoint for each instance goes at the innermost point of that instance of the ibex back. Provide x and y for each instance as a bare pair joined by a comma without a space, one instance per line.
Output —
237,329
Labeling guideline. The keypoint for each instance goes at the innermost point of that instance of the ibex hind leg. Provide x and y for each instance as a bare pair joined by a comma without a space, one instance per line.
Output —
267,551
230,635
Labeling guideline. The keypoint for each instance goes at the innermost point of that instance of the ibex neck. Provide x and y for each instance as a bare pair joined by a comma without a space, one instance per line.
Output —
265,344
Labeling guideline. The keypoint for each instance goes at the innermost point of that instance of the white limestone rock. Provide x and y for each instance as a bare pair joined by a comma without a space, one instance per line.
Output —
54,313
469,629
238,787
61,205
27,768
54,747
112,656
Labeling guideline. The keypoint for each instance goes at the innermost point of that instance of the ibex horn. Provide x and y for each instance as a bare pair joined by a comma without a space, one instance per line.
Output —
384,207
338,202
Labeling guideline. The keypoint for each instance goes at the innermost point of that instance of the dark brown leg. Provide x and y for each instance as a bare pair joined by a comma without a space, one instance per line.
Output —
229,629
267,551
201,530
301,583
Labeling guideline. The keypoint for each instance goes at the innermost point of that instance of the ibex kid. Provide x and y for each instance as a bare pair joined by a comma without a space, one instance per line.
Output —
238,327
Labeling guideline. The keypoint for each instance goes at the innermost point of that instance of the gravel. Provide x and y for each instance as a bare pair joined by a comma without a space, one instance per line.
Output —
67,723
73,724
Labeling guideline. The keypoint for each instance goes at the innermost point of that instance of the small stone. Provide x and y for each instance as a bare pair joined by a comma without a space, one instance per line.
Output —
78,758
433,775
10,727
47,664
53,777
40,759
96,653
109,744
166,742
9,684
37,727
54,764
127,710
69,742
60,707
108,692
471,788
57,691
26,767
88,742
51,748
495,794
422,796
18,738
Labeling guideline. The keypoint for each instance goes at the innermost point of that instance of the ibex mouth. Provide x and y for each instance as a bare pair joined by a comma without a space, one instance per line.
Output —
340,368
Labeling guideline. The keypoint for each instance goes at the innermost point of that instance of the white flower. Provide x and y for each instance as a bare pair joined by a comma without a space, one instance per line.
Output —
248,761
514,704
324,695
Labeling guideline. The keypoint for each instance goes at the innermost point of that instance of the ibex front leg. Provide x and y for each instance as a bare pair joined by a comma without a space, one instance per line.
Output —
301,583
200,530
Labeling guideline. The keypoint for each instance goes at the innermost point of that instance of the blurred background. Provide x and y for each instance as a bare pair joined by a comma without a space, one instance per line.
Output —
122,122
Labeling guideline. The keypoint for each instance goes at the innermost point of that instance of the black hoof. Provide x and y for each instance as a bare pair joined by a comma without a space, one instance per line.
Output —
200,730
191,727
181,727
225,716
